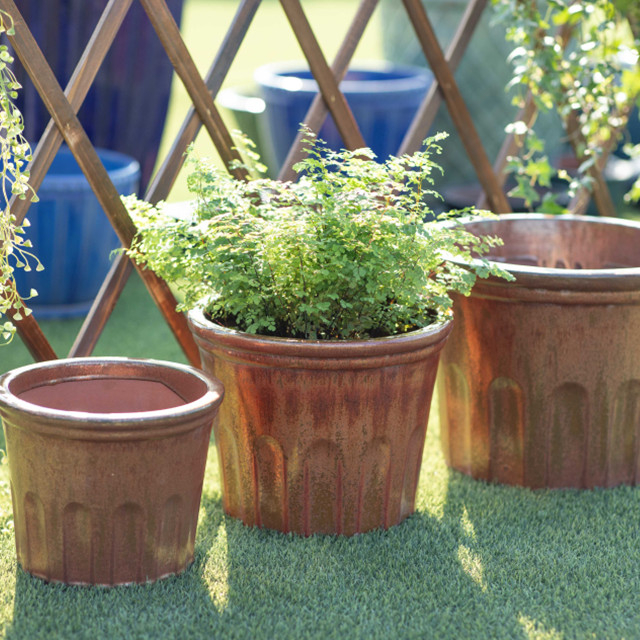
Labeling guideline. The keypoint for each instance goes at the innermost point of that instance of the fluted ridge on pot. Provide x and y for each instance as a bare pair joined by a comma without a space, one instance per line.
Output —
541,377
108,496
317,440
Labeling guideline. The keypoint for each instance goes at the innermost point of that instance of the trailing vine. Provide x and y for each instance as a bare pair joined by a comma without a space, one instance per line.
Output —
571,57
15,155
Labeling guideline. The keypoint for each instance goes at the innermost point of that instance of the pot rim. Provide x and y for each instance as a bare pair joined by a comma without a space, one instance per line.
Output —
87,368
548,276
278,75
127,169
322,349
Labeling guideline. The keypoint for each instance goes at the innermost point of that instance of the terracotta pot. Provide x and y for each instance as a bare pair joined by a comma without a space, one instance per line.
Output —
540,381
321,436
106,458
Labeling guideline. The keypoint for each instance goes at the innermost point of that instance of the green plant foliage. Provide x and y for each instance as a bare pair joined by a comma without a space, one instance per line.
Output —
342,253
587,81
15,154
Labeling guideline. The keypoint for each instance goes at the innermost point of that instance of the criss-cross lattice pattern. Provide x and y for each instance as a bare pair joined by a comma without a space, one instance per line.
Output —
64,104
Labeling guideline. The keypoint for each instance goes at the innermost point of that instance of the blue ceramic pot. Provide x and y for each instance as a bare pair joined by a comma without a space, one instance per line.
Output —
383,98
71,235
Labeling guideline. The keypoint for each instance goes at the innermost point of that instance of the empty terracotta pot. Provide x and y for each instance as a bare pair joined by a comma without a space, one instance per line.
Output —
321,436
540,380
106,458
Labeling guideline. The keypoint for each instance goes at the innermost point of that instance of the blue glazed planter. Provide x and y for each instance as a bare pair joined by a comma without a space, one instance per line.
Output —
126,107
383,98
72,236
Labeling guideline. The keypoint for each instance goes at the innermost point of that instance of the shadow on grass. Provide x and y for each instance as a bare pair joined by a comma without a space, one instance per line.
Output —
493,562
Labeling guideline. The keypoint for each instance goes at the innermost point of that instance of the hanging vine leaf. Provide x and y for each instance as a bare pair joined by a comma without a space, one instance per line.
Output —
15,155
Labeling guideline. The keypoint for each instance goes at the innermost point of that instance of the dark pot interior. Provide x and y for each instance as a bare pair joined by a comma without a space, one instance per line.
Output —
563,242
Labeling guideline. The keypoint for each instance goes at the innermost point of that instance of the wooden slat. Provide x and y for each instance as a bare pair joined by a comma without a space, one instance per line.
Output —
327,83
600,190
456,106
168,172
63,114
185,67
318,110
34,339
76,91
103,306
67,122
164,179
509,147
527,114
429,108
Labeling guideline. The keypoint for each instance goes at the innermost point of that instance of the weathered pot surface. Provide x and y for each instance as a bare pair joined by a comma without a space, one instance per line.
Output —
106,458
540,380
321,436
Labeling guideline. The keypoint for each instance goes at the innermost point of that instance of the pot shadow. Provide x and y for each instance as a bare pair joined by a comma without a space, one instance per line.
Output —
491,562
251,582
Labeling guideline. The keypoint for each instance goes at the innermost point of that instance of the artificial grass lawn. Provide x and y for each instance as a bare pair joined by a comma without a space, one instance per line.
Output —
475,561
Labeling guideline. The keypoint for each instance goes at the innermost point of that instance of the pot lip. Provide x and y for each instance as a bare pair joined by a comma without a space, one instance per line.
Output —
387,345
127,168
560,274
274,76
210,399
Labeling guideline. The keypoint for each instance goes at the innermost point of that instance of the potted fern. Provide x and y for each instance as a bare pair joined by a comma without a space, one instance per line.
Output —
322,305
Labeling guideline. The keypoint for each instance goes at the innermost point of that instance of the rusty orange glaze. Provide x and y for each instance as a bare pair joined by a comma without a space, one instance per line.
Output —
106,460
321,436
540,380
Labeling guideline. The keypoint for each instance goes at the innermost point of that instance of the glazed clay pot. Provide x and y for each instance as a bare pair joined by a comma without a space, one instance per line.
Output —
321,436
540,380
106,459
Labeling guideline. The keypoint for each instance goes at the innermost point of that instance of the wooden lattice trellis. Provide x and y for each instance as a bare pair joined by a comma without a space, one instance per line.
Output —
63,106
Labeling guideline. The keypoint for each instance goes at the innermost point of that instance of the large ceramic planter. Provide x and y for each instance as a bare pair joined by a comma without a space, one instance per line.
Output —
106,458
540,380
72,236
126,107
321,437
383,98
